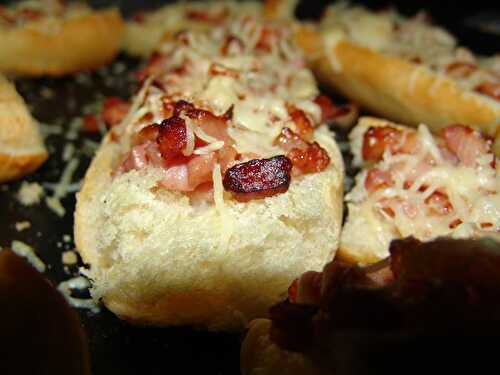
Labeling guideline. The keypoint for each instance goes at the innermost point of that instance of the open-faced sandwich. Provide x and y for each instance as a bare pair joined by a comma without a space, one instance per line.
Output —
218,188
21,146
431,306
52,37
404,69
414,184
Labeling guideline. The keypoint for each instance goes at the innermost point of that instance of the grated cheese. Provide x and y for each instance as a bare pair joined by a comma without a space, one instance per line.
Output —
26,251
78,283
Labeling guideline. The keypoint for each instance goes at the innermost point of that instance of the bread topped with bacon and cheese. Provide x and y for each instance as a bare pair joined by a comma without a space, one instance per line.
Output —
52,37
414,184
219,187
404,69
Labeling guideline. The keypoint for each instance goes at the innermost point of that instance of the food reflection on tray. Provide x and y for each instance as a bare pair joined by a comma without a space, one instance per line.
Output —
223,173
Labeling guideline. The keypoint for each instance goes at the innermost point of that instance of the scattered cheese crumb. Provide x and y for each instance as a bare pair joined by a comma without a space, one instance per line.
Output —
26,251
22,225
66,238
30,193
69,257
80,283
55,205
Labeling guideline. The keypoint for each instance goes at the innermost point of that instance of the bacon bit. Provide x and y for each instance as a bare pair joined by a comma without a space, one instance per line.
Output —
218,69
466,143
176,178
154,66
4,16
200,169
258,178
91,123
302,123
148,133
439,203
330,111
214,126
416,60
460,69
455,223
292,291
204,16
139,17
377,139
172,139
288,140
378,179
306,157
30,14
314,159
268,38
114,110
232,45
490,89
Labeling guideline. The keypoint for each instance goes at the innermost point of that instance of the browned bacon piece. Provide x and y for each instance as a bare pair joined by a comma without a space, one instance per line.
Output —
305,157
330,111
466,143
377,139
114,110
258,178
490,89
377,178
172,138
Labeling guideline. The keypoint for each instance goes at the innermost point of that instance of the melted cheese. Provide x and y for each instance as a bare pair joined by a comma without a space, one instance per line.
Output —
257,84
474,194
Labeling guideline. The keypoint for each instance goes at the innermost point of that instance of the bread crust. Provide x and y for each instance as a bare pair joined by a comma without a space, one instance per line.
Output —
214,286
21,146
74,44
259,355
395,88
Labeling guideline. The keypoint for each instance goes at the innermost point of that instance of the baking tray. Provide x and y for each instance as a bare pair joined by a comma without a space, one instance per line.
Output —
117,347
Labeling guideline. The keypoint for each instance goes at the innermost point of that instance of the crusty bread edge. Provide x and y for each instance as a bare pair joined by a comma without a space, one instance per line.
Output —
259,355
16,166
84,42
394,88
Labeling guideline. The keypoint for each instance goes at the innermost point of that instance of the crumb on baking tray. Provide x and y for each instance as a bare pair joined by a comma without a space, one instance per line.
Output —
22,225
69,258
30,193
26,251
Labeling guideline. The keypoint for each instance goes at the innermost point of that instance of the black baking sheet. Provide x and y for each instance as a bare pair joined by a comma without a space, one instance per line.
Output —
117,347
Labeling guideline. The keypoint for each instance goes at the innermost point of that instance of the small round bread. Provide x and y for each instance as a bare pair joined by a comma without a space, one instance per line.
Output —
157,259
21,146
80,38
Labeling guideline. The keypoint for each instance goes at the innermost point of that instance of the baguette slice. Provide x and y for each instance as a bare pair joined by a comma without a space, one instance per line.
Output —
21,146
145,30
73,39
158,256
414,184
404,70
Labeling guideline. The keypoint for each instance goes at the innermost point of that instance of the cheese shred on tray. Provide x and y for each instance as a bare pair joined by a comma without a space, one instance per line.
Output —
219,186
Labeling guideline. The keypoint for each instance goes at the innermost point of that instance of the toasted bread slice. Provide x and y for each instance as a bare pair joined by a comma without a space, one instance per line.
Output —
21,146
75,39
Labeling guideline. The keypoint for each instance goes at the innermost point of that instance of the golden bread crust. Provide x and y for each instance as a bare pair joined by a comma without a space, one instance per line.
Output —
74,44
21,146
395,88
